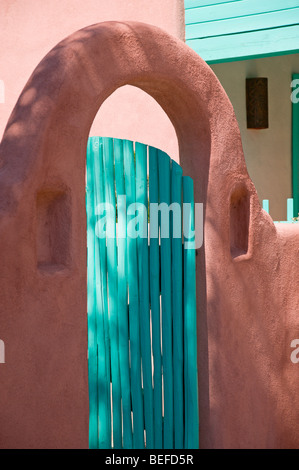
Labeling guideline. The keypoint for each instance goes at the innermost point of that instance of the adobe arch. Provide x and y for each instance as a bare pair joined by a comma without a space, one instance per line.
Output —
44,384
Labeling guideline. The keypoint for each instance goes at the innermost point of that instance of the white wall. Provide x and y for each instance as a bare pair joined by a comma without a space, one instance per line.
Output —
268,152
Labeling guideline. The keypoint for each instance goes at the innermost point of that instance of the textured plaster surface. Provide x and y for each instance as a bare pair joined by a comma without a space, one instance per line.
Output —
247,274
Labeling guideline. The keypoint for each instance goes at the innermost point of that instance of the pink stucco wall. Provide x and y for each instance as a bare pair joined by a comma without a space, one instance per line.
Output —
30,28
247,269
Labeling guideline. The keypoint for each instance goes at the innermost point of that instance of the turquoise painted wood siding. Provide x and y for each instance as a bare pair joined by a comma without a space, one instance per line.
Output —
222,31
142,341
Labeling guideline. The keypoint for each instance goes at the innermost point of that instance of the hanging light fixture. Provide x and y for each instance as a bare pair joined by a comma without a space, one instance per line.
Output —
257,103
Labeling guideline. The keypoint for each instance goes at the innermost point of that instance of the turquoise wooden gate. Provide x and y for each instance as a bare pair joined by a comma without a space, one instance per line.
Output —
142,344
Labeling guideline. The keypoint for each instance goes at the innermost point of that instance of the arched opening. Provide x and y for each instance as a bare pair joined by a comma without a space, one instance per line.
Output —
141,319
130,113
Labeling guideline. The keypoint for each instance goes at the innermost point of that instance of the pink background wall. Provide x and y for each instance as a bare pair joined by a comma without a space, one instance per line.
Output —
30,28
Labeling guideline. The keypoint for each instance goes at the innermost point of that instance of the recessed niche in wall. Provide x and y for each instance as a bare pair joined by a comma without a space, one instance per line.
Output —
239,221
53,229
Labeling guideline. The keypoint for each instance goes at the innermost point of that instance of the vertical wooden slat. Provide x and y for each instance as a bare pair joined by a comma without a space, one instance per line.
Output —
177,302
190,324
164,193
123,295
137,401
290,209
155,302
104,285
91,306
103,379
143,275
266,205
112,291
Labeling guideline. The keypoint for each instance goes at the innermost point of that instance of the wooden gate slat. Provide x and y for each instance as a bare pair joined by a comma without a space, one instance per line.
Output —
104,285
134,327
123,295
103,357
164,194
143,274
177,303
112,291
190,324
92,340
155,302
